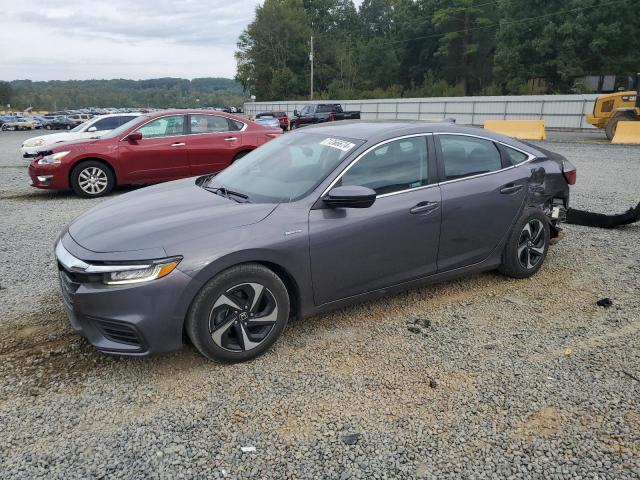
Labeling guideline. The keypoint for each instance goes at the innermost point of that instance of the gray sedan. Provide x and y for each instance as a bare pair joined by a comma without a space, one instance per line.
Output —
317,219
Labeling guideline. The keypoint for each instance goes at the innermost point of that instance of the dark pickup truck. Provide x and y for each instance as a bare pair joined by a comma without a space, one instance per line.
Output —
320,113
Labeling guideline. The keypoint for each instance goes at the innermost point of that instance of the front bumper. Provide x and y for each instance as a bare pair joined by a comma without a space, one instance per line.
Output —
597,122
136,319
30,152
54,177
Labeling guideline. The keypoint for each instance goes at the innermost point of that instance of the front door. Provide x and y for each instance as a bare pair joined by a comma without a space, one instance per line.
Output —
354,251
480,199
161,154
212,144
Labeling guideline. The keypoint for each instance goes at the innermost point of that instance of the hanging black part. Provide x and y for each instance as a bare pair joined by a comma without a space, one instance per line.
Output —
599,220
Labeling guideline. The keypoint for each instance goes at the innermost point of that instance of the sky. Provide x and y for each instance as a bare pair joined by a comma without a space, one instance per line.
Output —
135,39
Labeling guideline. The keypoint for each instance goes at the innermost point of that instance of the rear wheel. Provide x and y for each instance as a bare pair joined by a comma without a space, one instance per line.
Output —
527,245
610,129
92,179
238,314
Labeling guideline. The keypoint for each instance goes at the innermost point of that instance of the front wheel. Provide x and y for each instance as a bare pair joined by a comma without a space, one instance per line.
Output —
527,245
238,314
92,179
612,125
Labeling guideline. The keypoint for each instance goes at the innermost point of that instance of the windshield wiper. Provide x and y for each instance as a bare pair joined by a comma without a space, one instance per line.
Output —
225,192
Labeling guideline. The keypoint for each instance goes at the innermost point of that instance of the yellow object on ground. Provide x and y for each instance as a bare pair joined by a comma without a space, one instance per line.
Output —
627,132
524,129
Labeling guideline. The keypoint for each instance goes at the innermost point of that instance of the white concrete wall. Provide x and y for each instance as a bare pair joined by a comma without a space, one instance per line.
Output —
558,111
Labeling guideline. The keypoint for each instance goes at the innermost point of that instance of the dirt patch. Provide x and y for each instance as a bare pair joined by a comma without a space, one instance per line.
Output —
543,424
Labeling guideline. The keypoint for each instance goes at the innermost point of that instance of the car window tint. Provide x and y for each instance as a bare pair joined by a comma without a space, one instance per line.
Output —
208,124
234,125
163,127
466,156
306,110
515,157
392,167
107,123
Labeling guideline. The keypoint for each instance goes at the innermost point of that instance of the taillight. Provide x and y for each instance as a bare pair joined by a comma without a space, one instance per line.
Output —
331,118
569,171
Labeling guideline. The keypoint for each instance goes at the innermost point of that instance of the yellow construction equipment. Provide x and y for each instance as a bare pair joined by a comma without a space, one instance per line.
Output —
610,110
627,133
523,129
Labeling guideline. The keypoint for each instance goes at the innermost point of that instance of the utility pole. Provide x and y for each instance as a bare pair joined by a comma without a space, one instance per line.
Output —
311,60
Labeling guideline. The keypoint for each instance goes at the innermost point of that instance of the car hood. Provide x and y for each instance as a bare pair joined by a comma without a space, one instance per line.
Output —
162,215
75,143
60,137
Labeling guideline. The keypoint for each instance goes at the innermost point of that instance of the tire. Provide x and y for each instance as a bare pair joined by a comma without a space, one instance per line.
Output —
220,323
239,156
91,179
527,245
612,125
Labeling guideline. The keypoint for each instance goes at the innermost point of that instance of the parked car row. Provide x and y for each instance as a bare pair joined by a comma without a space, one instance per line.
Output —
311,114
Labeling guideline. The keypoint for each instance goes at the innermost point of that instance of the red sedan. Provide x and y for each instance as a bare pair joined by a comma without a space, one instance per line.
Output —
149,149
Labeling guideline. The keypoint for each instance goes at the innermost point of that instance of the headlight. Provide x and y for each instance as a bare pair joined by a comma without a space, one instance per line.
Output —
125,274
53,158
36,142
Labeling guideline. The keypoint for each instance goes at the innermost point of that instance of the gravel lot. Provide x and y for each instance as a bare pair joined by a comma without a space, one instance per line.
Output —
484,377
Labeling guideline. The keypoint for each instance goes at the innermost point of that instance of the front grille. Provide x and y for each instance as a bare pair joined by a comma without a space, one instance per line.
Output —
68,287
119,332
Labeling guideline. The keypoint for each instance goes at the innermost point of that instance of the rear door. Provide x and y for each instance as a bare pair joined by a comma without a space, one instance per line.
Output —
161,154
212,143
481,197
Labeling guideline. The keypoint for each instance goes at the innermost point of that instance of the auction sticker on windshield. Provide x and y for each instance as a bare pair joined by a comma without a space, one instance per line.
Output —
337,143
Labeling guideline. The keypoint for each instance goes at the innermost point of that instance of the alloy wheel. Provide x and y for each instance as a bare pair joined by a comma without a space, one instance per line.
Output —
531,244
93,180
242,318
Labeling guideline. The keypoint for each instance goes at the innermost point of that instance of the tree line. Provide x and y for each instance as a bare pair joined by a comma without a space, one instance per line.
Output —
153,93
418,48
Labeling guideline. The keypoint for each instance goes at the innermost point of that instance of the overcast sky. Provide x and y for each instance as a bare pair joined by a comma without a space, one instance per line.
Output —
82,39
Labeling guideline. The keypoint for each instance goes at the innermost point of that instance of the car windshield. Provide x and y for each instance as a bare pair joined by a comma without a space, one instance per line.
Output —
284,169
124,127
81,127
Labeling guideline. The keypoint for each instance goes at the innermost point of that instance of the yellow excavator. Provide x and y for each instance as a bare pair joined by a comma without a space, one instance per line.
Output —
613,108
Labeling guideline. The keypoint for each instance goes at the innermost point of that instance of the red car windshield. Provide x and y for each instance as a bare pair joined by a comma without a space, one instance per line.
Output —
125,126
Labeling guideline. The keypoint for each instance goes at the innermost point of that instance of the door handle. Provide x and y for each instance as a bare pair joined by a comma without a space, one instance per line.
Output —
230,139
424,207
179,144
510,188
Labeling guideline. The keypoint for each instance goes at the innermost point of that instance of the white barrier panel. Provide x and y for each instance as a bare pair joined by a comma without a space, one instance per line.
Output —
557,111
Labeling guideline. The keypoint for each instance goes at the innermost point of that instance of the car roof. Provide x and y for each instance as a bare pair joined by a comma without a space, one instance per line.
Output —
380,130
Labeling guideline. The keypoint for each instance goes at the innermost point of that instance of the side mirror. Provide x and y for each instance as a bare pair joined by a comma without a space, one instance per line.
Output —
134,137
295,113
92,129
350,197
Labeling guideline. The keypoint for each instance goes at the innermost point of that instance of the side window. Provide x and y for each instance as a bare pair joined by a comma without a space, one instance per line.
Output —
163,127
515,157
235,125
107,123
208,124
466,156
307,110
392,167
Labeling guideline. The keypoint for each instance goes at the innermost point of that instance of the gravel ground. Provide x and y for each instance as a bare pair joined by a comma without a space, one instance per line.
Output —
484,377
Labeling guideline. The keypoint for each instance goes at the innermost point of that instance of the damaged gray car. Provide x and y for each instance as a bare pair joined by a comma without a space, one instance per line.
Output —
314,220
